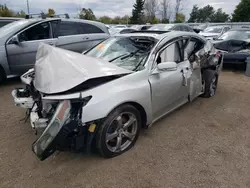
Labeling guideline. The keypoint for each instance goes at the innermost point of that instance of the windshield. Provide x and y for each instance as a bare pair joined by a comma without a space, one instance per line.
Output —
137,27
213,30
113,31
236,35
127,52
120,26
162,27
202,26
12,26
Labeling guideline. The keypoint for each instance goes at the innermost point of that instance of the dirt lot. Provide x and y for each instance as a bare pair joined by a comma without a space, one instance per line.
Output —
203,144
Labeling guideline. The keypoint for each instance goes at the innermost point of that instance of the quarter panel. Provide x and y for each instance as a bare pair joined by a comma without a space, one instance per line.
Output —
130,88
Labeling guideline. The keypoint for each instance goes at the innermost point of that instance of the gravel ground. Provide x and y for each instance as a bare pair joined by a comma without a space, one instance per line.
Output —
203,144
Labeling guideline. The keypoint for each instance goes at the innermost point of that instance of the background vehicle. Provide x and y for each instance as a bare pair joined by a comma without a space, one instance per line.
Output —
6,20
144,76
120,26
141,27
214,31
20,40
236,34
171,27
236,44
114,31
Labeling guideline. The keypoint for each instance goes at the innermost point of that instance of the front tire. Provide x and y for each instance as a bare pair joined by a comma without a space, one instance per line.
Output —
119,132
210,78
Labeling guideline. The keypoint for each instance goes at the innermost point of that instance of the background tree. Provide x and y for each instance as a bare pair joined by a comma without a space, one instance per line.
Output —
194,14
178,7
105,19
137,12
50,12
5,11
20,14
180,18
220,16
87,14
242,12
165,11
150,10
206,14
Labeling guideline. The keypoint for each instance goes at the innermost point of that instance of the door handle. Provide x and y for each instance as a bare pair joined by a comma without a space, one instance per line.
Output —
85,38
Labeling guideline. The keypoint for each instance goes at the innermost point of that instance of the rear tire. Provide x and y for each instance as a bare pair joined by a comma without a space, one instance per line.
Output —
2,75
119,132
210,78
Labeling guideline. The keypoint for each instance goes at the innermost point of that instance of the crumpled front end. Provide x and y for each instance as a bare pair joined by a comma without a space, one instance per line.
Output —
58,122
62,75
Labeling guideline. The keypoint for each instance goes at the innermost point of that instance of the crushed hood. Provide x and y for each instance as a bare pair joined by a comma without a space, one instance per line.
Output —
58,70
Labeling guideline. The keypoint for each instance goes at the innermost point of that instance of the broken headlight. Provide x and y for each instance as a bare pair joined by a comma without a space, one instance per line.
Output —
60,117
48,141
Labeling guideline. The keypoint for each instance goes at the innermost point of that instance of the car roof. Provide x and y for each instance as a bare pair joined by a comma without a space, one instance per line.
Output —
218,26
157,35
240,29
10,18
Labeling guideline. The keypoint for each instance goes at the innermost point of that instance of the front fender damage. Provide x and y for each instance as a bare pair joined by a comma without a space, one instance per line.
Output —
65,131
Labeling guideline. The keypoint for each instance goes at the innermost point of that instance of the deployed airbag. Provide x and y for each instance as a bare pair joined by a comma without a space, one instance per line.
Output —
58,70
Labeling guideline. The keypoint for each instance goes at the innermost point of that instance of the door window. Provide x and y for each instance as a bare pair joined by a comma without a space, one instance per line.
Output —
88,28
170,54
37,32
193,46
68,28
226,29
177,28
173,53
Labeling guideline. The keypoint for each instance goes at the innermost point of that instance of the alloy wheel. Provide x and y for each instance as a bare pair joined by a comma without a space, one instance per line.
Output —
121,132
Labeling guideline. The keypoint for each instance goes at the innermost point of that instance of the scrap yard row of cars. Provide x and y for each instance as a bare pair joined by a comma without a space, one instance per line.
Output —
85,89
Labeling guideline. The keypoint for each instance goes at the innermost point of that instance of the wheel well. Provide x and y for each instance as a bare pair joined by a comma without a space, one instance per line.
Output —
142,112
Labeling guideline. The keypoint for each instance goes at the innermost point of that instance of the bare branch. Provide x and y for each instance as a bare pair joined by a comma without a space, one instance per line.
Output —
151,7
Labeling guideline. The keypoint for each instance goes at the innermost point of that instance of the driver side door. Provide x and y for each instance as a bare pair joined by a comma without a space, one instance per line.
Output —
170,87
22,54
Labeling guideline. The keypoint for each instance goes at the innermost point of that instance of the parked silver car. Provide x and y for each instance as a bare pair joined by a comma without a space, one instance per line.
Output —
104,97
6,20
213,32
19,40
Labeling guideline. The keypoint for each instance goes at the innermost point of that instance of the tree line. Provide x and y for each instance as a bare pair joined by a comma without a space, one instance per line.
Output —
156,11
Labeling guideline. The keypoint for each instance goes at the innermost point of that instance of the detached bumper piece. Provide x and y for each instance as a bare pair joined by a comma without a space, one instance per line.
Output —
22,98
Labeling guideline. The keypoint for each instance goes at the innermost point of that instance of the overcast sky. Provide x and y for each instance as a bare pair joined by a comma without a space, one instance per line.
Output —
107,7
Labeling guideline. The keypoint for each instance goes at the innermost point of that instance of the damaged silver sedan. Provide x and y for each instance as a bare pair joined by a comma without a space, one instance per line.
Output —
102,98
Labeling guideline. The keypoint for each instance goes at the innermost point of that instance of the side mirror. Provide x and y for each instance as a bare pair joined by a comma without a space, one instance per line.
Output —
15,40
167,66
